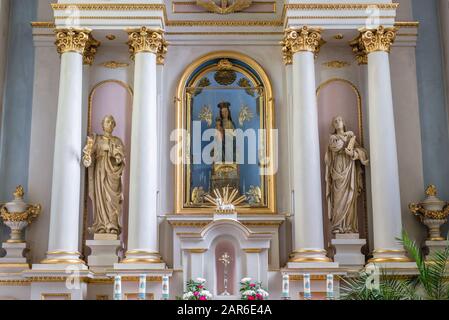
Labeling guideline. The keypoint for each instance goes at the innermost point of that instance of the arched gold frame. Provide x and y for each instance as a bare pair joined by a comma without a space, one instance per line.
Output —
89,132
361,130
181,114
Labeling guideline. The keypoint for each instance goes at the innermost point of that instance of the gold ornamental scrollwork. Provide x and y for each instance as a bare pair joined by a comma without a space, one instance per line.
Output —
380,39
147,40
79,40
224,7
360,53
303,39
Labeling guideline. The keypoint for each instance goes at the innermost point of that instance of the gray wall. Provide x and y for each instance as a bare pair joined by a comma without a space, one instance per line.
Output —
434,124
17,99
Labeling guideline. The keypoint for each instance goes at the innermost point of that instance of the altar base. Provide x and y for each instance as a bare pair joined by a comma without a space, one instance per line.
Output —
434,246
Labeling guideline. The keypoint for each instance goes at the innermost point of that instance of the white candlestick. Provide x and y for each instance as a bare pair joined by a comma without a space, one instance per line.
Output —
285,286
142,287
165,288
330,286
118,288
307,288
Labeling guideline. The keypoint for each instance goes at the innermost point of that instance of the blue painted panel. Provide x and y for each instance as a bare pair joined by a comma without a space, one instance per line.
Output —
18,98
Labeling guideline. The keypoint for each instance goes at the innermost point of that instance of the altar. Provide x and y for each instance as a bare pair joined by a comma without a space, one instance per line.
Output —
214,140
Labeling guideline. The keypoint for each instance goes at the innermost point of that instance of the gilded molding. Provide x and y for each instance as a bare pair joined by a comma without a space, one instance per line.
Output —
380,39
147,40
114,64
303,39
336,64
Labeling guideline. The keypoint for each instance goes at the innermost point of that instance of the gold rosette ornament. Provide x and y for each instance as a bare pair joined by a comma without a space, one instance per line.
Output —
17,215
432,212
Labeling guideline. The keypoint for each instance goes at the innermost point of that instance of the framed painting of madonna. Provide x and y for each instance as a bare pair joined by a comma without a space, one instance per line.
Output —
226,135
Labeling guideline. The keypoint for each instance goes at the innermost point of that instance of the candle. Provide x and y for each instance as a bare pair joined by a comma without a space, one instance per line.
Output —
285,286
307,289
165,288
142,287
118,288
330,286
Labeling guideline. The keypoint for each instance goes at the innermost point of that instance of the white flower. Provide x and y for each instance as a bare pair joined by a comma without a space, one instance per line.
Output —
200,280
246,280
187,295
263,293
249,293
206,294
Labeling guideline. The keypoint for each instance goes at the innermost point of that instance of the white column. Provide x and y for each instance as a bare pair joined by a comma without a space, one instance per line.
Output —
143,246
65,199
386,198
308,211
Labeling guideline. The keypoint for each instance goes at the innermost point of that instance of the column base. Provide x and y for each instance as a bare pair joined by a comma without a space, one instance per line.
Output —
64,258
309,256
389,256
142,257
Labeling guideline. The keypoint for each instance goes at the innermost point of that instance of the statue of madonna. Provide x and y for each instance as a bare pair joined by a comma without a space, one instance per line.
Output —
344,181
104,155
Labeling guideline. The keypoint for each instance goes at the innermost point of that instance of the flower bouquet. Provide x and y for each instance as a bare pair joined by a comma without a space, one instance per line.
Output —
196,290
251,290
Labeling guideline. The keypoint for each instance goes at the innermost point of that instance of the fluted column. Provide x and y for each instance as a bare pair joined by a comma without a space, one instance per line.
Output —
147,46
386,198
303,44
75,46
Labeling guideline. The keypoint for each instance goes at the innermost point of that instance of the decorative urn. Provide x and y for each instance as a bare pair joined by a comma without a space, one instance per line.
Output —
432,212
17,215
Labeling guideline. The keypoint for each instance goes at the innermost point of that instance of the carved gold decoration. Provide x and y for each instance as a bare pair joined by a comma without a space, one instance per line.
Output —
379,39
300,40
147,40
198,194
206,115
224,8
339,36
336,64
225,75
432,212
360,53
254,195
72,40
77,40
245,115
225,200
111,37
114,64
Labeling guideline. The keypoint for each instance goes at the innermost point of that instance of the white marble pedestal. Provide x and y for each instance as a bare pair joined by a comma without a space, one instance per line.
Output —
14,259
434,246
103,255
349,251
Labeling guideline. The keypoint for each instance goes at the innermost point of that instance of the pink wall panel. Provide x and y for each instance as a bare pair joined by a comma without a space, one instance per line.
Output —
114,98
337,97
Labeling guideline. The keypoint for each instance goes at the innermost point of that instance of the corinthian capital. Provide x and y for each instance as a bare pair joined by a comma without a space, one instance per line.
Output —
77,40
147,40
301,39
72,40
380,39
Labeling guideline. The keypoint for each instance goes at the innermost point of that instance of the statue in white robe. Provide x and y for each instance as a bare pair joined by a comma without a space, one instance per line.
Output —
344,178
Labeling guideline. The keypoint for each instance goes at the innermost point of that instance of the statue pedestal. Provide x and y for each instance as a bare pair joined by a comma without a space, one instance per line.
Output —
14,258
104,253
349,250
434,246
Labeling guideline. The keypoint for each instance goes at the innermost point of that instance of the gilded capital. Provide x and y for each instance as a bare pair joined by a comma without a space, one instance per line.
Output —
77,40
300,40
360,53
379,39
147,40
